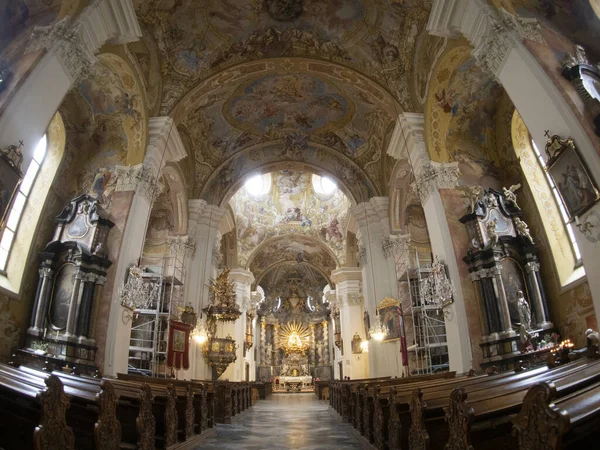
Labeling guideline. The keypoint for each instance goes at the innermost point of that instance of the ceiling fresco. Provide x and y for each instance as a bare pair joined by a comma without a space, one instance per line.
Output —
197,39
468,108
287,288
294,248
294,102
294,109
291,207
106,125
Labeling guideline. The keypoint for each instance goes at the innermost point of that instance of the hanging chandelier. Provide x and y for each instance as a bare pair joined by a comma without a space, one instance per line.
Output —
137,292
437,290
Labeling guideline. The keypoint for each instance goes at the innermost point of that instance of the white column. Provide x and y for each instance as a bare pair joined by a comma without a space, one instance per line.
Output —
136,179
409,137
205,224
70,47
350,301
497,38
379,279
243,280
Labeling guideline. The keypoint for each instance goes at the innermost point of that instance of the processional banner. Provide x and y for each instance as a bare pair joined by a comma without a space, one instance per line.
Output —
178,353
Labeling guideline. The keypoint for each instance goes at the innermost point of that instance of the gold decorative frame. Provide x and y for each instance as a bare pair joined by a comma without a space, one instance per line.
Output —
11,176
389,307
563,151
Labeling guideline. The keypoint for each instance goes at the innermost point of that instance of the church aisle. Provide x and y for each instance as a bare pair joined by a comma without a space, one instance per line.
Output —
285,421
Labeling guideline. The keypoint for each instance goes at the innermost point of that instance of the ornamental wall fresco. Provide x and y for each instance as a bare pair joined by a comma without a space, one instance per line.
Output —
376,38
307,110
291,207
292,248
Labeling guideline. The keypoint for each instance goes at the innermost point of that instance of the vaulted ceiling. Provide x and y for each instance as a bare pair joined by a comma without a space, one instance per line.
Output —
255,85
289,205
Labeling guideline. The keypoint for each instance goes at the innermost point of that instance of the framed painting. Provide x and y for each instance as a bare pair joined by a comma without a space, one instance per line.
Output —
575,186
179,338
10,180
388,311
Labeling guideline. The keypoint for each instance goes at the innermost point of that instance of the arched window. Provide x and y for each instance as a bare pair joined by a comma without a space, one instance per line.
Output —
20,200
559,203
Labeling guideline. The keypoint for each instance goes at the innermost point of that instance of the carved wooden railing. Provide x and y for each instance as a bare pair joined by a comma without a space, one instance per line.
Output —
459,417
540,424
418,438
107,431
145,424
53,432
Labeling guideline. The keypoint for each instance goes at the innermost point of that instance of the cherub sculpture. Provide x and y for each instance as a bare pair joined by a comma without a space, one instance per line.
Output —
473,194
523,229
510,196
491,232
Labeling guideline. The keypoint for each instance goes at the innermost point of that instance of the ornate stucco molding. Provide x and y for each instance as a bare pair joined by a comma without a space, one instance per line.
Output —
354,299
181,246
75,41
395,244
492,33
139,178
361,256
504,33
435,176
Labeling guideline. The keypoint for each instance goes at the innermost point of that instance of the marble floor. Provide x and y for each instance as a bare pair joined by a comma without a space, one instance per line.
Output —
285,421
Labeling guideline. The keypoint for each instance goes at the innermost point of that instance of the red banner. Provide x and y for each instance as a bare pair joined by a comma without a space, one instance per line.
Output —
178,353
402,337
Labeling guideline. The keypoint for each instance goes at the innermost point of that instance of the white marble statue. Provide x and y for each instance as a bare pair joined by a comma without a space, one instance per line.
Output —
524,311
491,232
509,195
523,229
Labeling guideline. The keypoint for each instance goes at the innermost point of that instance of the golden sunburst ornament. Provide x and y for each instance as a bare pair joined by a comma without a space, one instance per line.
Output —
294,337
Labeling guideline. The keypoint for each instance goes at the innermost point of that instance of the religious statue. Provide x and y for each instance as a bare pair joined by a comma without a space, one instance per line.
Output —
510,196
473,194
524,311
523,229
491,232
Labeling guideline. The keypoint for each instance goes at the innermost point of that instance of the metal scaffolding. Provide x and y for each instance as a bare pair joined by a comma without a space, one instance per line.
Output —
150,327
425,328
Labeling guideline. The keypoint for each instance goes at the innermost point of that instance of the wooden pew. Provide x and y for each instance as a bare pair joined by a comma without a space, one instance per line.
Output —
91,415
195,415
449,418
549,423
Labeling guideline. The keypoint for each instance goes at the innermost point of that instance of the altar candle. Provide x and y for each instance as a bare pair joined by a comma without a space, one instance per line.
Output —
57,335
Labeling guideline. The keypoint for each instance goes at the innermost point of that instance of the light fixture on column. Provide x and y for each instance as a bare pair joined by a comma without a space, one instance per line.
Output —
137,292
378,331
437,289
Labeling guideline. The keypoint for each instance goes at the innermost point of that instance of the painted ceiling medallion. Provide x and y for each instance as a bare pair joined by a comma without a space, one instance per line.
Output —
294,102
284,10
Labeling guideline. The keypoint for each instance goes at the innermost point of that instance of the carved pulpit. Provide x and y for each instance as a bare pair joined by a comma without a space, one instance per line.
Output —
72,273
504,267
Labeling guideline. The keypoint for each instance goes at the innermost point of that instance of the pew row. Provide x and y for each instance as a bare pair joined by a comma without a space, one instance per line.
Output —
48,411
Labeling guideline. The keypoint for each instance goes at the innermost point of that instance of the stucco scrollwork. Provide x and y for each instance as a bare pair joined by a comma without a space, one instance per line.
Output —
505,32
395,244
434,177
64,38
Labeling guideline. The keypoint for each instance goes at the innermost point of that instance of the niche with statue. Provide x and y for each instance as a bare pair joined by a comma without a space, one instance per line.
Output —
504,267
72,273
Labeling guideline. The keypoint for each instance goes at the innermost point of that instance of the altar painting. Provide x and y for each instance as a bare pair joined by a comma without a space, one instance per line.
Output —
514,281
388,313
9,185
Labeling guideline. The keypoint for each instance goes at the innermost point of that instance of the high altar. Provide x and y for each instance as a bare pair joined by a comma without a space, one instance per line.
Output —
294,341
